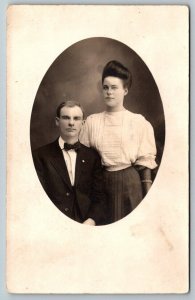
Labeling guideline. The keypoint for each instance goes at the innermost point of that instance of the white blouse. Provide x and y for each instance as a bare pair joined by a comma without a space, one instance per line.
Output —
121,138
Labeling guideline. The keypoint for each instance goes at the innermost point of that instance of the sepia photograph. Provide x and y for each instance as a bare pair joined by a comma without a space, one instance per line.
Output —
121,117
97,182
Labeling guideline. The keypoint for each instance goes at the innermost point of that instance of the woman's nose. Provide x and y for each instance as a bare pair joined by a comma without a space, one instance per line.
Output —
109,91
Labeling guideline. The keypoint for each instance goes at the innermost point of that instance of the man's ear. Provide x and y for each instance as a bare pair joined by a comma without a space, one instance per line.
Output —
57,121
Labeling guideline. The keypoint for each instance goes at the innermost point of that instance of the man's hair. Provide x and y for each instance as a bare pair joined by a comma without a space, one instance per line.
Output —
116,69
68,103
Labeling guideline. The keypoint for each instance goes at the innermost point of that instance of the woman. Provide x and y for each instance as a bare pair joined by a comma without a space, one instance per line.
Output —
125,142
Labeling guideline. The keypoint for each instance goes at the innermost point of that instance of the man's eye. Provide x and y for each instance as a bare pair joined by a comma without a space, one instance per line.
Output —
105,88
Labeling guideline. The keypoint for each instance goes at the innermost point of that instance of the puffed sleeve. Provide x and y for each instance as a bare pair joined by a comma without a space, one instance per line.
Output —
84,137
147,147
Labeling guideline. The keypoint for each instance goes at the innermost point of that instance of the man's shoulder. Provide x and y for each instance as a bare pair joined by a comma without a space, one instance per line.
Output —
45,148
89,151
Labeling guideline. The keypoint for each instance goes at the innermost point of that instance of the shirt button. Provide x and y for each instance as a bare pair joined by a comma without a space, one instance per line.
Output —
66,209
67,194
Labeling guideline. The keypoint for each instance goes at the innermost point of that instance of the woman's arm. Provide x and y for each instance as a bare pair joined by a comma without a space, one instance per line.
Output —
146,156
146,179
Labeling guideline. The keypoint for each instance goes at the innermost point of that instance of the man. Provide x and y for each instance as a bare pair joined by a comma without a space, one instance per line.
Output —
70,172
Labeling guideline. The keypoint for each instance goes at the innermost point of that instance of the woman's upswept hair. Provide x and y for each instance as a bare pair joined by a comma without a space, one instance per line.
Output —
116,69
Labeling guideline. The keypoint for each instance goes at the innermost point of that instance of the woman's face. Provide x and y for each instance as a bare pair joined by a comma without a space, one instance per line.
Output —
114,92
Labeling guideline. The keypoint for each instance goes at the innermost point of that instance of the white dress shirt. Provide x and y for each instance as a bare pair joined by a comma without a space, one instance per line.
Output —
70,160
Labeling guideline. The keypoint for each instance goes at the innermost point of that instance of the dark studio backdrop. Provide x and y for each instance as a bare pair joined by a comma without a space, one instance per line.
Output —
76,74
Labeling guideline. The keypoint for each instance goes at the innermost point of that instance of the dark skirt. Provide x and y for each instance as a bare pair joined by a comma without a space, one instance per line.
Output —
124,192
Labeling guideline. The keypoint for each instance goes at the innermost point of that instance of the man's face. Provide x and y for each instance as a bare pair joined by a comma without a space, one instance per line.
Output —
70,122
114,92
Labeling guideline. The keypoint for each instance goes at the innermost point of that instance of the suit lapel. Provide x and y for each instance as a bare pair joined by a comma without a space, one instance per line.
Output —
79,164
59,164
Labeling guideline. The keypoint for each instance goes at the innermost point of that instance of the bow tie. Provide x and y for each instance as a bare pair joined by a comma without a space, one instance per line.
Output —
75,146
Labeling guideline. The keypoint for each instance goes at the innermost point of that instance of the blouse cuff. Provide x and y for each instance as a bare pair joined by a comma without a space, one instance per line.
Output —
146,162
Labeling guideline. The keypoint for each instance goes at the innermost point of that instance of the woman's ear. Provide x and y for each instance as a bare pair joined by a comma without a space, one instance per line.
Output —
126,91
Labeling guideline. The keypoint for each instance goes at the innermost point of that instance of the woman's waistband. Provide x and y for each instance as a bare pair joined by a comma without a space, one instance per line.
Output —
117,168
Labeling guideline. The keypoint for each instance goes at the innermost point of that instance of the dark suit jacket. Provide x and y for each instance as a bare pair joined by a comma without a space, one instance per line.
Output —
87,196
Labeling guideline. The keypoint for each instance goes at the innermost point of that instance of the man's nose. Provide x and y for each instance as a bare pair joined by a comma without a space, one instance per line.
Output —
71,122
